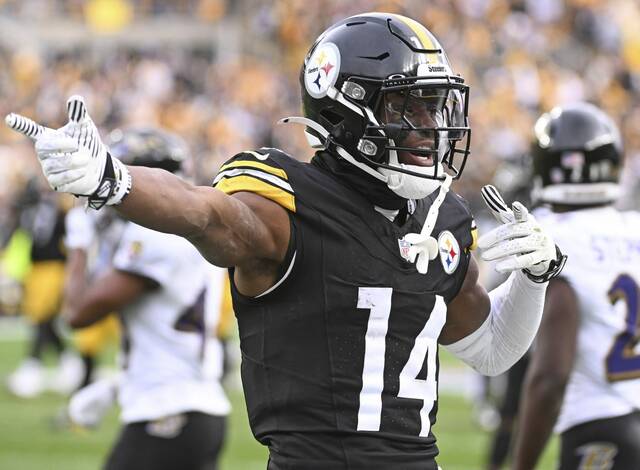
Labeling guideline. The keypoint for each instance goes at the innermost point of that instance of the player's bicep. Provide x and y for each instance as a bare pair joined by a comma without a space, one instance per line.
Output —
256,213
225,229
244,228
468,310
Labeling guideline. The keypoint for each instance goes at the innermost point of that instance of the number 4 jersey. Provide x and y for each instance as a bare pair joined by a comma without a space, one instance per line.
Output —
603,267
339,358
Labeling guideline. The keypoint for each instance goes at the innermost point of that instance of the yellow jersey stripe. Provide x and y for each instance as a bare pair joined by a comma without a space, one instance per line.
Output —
260,187
261,166
225,322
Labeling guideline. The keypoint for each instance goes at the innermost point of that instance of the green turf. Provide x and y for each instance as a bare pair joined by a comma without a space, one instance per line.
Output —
29,439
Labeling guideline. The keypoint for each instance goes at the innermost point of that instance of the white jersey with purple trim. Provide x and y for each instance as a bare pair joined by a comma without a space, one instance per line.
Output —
173,361
603,267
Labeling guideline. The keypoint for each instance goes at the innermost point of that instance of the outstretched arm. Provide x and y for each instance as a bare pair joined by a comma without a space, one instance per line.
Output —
235,230
242,230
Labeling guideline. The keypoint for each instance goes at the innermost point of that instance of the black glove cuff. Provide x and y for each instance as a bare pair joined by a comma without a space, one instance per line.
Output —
555,267
106,187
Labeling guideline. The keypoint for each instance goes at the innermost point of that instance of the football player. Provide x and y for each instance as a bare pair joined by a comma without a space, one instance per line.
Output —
81,228
347,271
42,213
584,376
173,406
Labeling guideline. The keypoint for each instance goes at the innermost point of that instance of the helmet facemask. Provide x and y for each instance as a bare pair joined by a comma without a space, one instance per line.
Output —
419,133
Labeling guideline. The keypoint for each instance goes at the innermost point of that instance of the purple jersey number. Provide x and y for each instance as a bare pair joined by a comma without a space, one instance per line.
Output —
622,363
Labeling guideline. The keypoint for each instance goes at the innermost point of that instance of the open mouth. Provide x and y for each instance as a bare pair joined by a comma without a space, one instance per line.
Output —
422,156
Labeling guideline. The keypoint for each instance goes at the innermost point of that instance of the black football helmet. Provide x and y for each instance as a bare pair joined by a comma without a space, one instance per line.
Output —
513,177
377,84
577,156
146,146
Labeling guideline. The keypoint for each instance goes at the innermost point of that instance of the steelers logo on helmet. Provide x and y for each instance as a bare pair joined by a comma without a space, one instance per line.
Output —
321,71
449,250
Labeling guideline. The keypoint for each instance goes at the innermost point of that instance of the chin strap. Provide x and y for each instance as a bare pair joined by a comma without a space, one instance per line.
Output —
423,246
342,152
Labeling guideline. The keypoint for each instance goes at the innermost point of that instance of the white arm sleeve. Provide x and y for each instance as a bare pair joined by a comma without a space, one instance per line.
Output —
508,331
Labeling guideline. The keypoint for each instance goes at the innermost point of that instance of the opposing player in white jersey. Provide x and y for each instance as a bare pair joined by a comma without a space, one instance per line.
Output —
81,227
585,370
173,407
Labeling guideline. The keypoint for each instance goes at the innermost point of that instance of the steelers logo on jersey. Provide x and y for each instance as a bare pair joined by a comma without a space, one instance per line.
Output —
321,70
449,250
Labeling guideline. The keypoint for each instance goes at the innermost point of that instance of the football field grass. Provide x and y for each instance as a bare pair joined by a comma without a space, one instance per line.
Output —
31,440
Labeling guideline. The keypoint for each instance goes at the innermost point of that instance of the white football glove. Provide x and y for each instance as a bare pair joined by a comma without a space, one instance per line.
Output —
88,405
80,229
520,242
74,159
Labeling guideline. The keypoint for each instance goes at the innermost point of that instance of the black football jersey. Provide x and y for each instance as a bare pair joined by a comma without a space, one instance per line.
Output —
45,223
339,358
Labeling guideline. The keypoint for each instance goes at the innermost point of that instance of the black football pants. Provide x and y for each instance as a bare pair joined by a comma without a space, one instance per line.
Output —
611,444
188,441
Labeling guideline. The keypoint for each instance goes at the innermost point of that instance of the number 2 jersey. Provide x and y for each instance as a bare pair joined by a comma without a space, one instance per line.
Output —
339,358
603,267
172,359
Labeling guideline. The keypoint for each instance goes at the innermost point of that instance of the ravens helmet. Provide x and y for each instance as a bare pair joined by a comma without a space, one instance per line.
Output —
378,90
513,177
150,147
576,156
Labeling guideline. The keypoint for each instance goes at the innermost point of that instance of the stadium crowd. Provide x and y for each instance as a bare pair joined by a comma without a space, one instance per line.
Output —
520,58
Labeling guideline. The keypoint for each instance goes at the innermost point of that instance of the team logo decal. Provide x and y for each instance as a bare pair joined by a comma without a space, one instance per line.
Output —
321,71
135,249
404,249
449,251
167,428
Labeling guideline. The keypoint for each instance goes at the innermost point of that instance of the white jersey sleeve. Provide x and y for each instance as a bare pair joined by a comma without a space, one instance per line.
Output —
603,267
173,362
147,253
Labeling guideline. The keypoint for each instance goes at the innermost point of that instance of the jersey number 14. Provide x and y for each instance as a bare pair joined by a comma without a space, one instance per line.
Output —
378,301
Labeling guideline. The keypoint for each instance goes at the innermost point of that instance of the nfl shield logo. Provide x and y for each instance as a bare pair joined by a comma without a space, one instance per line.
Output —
404,249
